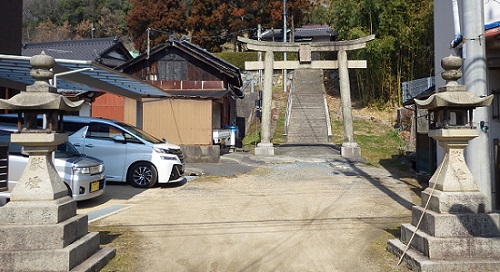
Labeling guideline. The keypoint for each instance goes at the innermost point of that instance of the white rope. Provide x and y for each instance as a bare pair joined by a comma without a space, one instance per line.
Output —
420,220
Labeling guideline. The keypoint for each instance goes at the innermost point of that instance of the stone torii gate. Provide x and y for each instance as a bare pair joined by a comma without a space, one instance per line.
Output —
350,149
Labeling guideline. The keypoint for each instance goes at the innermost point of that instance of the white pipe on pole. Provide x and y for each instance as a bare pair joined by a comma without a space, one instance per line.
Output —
69,72
456,17
284,40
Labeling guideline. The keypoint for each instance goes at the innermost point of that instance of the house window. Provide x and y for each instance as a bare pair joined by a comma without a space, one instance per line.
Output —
495,106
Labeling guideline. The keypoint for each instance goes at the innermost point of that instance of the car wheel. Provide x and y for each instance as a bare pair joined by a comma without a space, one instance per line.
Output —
142,175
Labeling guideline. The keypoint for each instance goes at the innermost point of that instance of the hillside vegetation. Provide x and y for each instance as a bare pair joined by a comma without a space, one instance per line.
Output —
402,50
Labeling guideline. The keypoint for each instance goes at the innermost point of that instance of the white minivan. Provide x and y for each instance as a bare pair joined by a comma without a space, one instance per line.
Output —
129,154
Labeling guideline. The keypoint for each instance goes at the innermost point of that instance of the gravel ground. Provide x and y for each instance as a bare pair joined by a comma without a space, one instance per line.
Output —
312,211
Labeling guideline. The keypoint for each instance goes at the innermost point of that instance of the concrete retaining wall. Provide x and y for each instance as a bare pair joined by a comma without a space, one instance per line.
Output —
205,153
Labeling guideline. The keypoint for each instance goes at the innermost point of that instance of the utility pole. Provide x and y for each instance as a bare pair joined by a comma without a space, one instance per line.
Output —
149,42
259,55
478,154
284,40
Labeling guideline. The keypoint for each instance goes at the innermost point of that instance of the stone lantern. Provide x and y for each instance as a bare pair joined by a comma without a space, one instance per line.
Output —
454,228
39,227
451,124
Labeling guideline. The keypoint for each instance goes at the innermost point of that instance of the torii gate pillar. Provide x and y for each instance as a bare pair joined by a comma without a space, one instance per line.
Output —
350,149
265,147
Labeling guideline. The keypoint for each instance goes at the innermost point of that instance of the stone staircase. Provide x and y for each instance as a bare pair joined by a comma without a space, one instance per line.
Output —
308,120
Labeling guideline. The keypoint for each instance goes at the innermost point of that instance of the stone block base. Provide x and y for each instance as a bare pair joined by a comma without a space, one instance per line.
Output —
451,248
455,202
199,154
350,151
418,262
63,259
38,212
46,246
467,241
457,225
264,150
42,237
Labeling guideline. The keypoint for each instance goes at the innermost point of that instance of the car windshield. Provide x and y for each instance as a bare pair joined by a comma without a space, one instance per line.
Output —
141,134
66,150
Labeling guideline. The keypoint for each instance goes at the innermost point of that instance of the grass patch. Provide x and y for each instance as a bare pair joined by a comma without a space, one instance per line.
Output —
126,243
380,144
282,99
260,171
252,137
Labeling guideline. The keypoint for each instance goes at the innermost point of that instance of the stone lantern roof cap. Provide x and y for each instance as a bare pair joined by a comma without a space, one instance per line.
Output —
41,95
453,95
40,101
454,100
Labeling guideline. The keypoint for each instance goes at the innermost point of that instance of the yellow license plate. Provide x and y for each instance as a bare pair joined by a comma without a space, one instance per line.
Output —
94,186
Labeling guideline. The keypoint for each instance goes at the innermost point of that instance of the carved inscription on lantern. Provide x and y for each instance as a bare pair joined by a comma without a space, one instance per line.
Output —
33,182
37,163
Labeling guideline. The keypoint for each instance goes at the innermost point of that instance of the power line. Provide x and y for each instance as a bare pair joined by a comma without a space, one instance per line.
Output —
221,36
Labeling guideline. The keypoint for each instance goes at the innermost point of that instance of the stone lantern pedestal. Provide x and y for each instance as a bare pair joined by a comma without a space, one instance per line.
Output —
454,228
39,228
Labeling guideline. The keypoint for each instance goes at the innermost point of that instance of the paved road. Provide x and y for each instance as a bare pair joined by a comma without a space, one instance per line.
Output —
305,209
239,162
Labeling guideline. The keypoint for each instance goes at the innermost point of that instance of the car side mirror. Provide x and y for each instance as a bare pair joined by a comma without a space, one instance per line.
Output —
119,138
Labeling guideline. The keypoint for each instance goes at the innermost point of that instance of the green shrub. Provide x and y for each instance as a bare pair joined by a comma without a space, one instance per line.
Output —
238,58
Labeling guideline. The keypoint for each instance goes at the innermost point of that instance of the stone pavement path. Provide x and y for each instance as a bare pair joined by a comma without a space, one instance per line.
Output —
286,213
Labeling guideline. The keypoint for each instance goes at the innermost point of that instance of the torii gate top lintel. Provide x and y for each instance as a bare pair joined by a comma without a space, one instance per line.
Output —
305,50
315,46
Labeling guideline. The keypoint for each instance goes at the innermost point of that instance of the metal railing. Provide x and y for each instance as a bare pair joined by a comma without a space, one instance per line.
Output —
288,109
328,121
410,89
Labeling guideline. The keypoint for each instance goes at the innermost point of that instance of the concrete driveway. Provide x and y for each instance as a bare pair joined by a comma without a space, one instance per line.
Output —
306,209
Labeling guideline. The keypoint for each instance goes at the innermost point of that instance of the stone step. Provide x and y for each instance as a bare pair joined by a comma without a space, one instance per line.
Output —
51,260
308,103
319,95
308,96
418,262
302,120
308,125
306,130
305,140
308,115
319,135
311,131
306,107
97,261
309,139
451,248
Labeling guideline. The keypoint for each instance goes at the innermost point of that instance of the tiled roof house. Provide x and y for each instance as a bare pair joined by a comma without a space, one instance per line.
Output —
107,51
